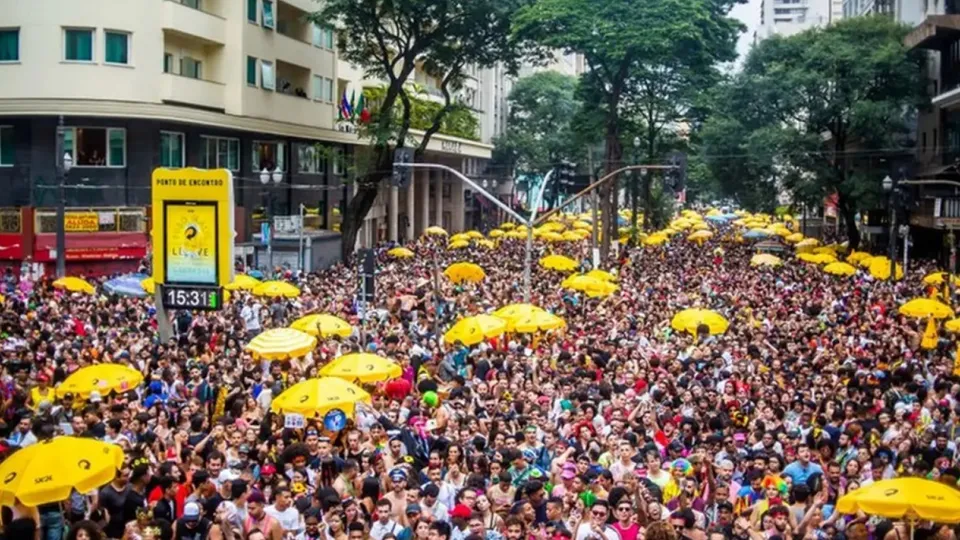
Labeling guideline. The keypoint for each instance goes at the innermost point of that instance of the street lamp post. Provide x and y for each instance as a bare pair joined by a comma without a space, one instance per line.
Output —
890,188
633,192
265,177
64,164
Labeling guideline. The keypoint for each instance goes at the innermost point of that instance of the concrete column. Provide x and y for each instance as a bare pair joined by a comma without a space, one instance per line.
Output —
411,208
392,208
423,205
438,195
457,211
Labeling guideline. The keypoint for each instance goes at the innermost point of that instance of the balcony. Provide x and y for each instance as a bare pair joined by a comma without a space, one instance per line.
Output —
194,92
291,23
180,18
288,108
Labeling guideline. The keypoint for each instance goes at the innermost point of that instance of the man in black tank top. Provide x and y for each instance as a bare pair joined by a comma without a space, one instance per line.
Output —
192,526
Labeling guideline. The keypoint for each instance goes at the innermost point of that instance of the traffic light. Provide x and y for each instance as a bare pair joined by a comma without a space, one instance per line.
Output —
676,176
565,172
401,174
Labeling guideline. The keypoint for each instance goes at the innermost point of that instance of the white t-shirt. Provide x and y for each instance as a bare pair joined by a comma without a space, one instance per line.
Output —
585,532
379,530
290,519
251,317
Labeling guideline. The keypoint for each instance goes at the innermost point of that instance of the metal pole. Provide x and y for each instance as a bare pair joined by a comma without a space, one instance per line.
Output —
300,241
953,264
893,234
270,228
906,247
594,248
633,206
61,204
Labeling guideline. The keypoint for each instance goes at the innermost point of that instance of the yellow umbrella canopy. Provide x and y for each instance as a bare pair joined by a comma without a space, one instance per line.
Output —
475,235
594,287
817,258
809,242
701,226
840,269
553,226
486,243
689,320
700,236
953,325
582,225
48,471
535,321
364,368
826,250
435,231
149,285
74,284
458,244
323,325
515,234
281,344
765,259
857,256
880,268
794,238
939,278
923,308
559,263
102,378
551,236
313,398
496,233
908,498
654,240
508,226
242,282
401,253
473,330
571,236
516,311
464,271
274,289
602,275
460,237
865,262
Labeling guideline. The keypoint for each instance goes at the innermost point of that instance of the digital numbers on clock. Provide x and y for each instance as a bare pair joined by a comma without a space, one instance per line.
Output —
203,298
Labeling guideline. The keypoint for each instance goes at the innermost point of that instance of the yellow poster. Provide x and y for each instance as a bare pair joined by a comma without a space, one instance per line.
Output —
191,242
81,222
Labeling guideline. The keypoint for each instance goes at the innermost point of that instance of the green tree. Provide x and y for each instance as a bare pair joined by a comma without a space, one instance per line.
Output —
621,41
389,39
816,113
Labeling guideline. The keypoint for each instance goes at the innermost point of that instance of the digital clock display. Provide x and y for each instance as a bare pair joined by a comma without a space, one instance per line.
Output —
200,298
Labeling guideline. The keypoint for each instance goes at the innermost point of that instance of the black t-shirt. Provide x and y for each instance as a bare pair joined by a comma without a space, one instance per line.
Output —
135,501
192,533
114,502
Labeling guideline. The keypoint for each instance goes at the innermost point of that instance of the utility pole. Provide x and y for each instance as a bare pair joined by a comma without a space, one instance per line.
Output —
62,166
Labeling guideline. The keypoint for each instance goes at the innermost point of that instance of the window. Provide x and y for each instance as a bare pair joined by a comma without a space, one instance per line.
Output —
6,146
338,162
328,89
252,11
317,35
322,36
251,71
167,63
322,88
117,47
96,147
78,45
268,155
221,153
10,45
268,14
191,67
310,159
266,75
172,149
195,4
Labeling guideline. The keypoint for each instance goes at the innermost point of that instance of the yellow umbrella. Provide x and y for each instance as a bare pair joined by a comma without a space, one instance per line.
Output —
826,250
765,259
907,498
571,236
794,238
74,284
274,289
923,308
700,236
475,235
865,262
281,344
102,378
362,368
582,225
323,325
552,227
817,258
602,275
435,231
242,282
701,227
840,269
149,285
551,236
516,311
473,330
496,233
857,256
689,320
401,253
464,271
939,278
458,244
559,263
880,269
48,471
536,321
460,237
486,243
952,325
515,234
508,226
313,398
654,240
809,242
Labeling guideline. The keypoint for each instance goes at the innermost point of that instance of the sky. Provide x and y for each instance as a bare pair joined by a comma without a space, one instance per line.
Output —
749,15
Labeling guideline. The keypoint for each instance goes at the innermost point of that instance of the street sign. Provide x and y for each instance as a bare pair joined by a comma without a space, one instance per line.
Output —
264,233
287,224
368,277
401,175
193,227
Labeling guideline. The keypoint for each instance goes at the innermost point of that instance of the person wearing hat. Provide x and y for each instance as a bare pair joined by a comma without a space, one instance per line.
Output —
192,525
398,492
42,392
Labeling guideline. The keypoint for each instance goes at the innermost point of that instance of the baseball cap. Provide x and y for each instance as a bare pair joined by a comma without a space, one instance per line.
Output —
95,397
268,469
413,509
461,511
529,454
191,511
739,437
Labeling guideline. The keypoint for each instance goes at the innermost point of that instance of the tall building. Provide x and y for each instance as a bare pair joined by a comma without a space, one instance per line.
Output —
788,17
247,85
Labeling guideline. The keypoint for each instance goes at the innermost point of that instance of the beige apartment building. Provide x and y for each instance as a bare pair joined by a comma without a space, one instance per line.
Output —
243,84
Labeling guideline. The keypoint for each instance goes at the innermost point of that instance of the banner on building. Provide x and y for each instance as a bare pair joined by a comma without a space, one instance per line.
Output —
81,222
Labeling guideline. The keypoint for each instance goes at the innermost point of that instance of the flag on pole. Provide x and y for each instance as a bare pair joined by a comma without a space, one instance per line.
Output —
345,106
364,113
353,104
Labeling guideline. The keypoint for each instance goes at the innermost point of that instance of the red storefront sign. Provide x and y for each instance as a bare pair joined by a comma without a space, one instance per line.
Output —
92,246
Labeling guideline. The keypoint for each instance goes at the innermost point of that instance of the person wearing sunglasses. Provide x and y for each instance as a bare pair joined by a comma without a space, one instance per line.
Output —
594,526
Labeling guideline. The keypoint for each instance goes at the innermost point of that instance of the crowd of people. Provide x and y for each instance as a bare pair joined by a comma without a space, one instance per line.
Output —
616,428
